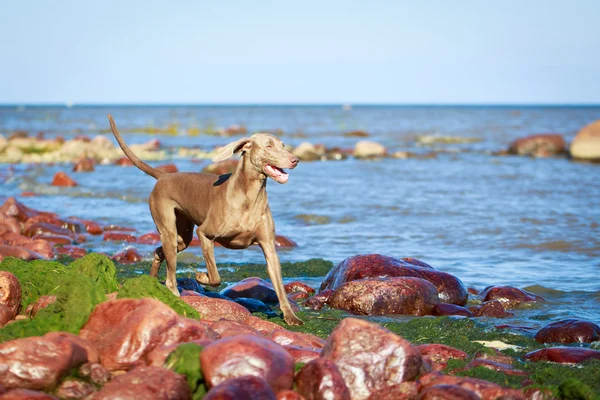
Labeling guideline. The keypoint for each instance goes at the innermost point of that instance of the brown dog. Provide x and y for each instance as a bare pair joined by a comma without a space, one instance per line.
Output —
230,209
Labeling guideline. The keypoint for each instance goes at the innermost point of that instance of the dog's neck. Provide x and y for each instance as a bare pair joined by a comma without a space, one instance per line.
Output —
249,180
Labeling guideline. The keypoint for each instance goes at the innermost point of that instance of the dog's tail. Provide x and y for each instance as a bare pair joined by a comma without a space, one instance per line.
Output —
153,172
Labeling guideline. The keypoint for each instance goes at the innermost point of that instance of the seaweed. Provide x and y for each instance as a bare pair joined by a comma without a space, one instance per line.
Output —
76,297
37,278
185,360
146,286
100,269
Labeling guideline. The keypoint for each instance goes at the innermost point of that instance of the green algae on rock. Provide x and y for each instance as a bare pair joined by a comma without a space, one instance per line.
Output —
37,278
146,286
100,269
76,297
185,360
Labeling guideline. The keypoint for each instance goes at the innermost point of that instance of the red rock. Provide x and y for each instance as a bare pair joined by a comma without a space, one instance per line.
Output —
300,339
128,256
241,355
298,296
168,168
303,354
119,236
124,331
26,394
319,300
74,389
146,383
401,391
451,309
261,325
473,291
320,379
289,395
222,168
96,373
243,387
570,330
447,392
439,354
38,362
9,224
492,308
450,289
383,357
540,145
72,251
18,252
385,296
284,242
480,387
16,209
85,164
297,286
91,227
509,296
225,328
124,162
504,368
28,194
212,309
39,246
43,302
254,288
54,239
563,355
6,314
62,179
149,238
45,228
10,291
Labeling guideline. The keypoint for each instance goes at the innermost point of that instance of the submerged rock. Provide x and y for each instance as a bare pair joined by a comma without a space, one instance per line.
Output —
450,289
383,296
540,145
492,308
570,330
509,296
370,357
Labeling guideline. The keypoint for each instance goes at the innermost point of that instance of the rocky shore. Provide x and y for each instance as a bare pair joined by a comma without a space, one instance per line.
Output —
85,151
83,331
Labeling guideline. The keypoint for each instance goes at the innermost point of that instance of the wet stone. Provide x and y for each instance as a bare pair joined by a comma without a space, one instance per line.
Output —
571,330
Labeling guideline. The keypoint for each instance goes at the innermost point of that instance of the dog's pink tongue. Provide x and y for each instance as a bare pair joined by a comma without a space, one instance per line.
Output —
278,175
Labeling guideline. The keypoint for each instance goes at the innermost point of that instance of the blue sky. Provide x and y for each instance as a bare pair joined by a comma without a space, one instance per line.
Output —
406,52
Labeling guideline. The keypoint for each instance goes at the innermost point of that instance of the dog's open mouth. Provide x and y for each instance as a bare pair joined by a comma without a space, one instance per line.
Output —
276,173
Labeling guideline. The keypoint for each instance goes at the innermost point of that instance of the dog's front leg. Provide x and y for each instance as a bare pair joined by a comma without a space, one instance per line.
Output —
274,270
208,250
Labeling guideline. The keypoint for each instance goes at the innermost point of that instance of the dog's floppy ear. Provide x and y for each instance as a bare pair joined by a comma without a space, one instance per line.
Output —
228,150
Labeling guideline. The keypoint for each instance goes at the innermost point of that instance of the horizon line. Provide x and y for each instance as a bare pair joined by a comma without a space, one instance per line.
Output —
293,104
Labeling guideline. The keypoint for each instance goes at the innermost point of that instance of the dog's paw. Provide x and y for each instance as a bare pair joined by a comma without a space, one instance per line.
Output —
202,278
293,320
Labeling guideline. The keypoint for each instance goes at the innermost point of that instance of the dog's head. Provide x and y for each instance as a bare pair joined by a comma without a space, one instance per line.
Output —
266,152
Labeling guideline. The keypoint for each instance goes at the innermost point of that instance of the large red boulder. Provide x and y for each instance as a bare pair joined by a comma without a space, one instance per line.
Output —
450,288
39,362
10,291
383,296
370,357
212,309
320,379
237,356
124,331
146,383
570,330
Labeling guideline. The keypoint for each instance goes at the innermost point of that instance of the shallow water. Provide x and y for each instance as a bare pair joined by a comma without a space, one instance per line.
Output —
486,219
